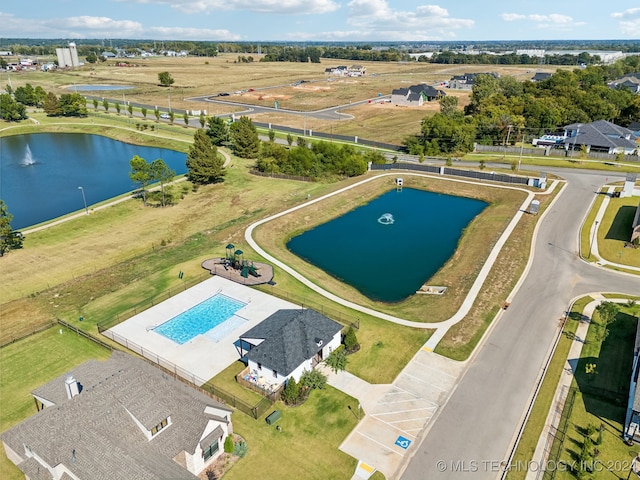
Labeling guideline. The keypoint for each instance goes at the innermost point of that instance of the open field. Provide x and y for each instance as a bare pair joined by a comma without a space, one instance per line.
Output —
200,76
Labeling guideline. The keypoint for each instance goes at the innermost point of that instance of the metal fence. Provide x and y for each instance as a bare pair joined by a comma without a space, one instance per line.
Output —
37,329
552,152
218,393
475,174
559,436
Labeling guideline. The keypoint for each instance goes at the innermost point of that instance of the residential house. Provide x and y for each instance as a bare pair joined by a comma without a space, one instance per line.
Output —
635,128
287,343
600,136
630,81
119,419
466,81
357,71
635,228
541,76
340,71
632,418
416,95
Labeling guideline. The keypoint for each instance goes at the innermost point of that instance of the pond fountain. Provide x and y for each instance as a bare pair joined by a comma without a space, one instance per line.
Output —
386,219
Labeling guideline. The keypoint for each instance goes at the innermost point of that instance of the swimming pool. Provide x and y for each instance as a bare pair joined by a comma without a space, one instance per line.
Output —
213,313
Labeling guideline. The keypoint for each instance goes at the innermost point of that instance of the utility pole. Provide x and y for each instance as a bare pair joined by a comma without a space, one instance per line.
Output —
506,143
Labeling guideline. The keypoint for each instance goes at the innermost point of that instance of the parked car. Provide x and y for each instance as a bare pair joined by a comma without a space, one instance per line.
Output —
165,116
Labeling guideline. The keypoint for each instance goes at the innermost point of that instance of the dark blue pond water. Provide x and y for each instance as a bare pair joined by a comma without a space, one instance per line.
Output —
390,247
40,173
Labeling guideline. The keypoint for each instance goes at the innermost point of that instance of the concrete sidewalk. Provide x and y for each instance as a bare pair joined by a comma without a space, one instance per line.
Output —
395,415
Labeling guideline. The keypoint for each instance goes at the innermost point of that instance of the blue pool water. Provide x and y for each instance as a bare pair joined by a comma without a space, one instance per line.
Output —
200,319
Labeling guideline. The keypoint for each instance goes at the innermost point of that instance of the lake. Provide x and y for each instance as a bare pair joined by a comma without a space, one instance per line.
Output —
388,248
40,173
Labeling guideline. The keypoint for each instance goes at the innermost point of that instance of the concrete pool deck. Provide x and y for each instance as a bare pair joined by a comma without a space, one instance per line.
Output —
201,358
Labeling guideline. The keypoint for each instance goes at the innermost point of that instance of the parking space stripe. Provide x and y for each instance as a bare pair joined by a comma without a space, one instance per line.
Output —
381,444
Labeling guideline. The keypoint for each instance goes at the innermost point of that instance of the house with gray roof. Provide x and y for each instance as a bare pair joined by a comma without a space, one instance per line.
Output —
600,136
119,419
632,418
630,81
416,95
541,76
287,343
466,81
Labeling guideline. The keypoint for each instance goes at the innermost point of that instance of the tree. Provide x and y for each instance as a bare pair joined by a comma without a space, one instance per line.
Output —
156,112
172,117
160,172
118,108
73,105
272,135
337,360
9,239
291,392
52,105
228,444
244,138
143,111
91,57
185,117
203,120
607,312
105,104
350,341
95,104
289,139
448,105
130,110
217,131
10,110
203,162
140,174
165,79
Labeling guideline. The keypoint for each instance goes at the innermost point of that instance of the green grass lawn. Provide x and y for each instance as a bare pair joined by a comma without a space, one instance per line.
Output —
615,230
30,363
306,448
612,356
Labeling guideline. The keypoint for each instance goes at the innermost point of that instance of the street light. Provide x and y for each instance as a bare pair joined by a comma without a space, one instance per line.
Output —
84,199
593,234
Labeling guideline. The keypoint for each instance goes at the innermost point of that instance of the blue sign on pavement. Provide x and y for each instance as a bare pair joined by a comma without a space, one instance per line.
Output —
403,442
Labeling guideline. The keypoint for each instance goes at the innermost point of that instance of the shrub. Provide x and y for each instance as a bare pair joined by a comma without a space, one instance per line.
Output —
337,360
229,447
291,392
313,379
350,341
240,449
211,474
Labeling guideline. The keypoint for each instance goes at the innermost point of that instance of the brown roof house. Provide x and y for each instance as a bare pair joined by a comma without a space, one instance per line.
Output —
120,419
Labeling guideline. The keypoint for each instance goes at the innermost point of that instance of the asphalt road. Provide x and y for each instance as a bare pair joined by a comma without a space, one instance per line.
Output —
474,430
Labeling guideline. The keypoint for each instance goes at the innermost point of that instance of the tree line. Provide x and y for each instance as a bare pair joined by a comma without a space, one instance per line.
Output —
504,110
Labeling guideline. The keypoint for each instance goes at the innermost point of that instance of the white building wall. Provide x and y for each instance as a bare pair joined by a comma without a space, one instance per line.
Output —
73,51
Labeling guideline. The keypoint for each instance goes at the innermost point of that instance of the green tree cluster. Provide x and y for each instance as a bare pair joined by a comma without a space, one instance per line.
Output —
144,174
323,159
32,97
217,131
165,79
10,110
9,239
67,105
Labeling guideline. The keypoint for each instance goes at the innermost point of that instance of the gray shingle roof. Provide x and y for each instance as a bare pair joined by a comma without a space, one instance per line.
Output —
290,338
601,134
98,422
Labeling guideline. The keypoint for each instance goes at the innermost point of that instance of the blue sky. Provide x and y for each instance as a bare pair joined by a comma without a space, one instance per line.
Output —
321,20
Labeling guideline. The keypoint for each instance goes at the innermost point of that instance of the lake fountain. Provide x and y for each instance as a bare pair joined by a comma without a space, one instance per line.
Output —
28,158
386,219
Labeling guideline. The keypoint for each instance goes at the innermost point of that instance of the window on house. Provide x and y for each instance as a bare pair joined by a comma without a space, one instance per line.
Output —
210,450
275,374
159,427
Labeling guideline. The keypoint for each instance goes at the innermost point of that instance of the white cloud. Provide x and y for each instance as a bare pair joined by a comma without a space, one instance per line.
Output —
629,21
552,18
97,27
260,6
376,20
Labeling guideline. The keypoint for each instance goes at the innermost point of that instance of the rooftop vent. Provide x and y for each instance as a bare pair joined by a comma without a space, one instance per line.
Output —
71,386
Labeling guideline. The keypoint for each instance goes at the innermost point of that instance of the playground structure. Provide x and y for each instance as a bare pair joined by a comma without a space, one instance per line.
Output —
235,259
